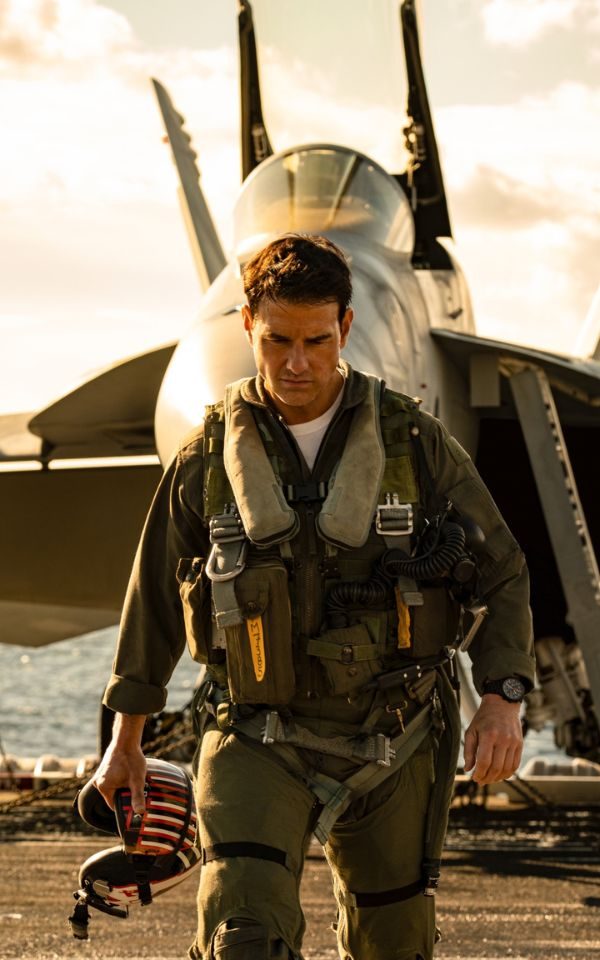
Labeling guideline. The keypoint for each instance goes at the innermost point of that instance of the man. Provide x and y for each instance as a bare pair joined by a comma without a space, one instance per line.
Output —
279,543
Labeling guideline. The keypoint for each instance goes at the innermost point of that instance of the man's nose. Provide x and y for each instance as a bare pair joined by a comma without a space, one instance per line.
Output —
296,360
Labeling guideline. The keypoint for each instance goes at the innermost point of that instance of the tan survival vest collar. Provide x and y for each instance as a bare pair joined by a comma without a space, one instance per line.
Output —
348,510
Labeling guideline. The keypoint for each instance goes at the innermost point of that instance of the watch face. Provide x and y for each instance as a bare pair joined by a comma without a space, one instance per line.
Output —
513,689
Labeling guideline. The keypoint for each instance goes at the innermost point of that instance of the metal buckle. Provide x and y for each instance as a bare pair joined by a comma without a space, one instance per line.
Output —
308,492
383,749
226,530
273,730
227,526
394,519
217,552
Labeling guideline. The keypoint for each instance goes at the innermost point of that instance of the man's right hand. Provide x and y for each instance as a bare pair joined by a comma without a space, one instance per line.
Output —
124,764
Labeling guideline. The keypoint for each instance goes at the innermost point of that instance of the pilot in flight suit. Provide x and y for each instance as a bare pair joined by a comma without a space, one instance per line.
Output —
320,543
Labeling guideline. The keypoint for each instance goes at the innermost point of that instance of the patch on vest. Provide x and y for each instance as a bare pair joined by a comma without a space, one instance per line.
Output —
257,646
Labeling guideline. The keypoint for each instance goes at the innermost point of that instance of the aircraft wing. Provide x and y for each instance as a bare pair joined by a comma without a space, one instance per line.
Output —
539,428
76,482
109,415
487,366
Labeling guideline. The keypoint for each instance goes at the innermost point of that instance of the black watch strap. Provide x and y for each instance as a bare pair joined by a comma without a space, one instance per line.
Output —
511,689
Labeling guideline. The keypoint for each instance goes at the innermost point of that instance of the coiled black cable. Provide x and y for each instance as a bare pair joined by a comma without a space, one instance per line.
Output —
448,548
444,544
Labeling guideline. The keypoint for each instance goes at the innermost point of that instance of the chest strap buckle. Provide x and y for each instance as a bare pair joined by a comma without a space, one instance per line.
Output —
394,519
308,492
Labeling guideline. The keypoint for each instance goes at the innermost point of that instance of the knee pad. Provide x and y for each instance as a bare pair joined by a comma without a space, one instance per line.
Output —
239,939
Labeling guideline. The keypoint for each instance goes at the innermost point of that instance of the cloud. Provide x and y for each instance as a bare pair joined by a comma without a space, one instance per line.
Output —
525,203
45,32
493,197
517,23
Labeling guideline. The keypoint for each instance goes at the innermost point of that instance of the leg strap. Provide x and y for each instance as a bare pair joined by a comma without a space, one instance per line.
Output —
384,897
241,939
243,848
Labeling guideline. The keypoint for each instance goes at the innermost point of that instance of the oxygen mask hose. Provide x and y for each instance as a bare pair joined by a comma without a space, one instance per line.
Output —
444,545
444,549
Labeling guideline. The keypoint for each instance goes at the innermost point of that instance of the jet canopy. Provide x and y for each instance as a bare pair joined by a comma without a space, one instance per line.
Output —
319,189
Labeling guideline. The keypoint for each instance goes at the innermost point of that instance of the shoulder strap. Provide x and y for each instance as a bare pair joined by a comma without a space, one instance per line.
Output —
397,414
217,492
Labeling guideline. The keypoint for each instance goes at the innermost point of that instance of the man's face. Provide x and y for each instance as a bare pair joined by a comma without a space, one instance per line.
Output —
296,350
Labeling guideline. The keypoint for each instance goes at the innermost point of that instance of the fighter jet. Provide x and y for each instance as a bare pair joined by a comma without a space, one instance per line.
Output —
530,419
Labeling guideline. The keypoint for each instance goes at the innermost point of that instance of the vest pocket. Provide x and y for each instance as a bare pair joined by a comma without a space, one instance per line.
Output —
194,590
349,656
435,624
260,665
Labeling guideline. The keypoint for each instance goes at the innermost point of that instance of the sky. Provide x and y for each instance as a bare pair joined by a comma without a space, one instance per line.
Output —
94,261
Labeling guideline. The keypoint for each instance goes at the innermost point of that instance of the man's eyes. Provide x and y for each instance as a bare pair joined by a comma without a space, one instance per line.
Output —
314,341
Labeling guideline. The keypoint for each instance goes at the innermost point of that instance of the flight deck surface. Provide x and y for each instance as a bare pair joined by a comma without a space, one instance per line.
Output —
522,885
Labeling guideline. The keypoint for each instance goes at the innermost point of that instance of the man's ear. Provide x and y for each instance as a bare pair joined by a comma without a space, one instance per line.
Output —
248,322
345,325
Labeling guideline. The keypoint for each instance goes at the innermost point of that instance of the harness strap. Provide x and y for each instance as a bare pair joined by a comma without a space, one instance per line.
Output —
370,776
449,732
370,749
244,848
383,897
226,561
382,756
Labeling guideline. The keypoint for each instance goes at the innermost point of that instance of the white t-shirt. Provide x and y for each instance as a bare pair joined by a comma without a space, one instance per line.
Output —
308,436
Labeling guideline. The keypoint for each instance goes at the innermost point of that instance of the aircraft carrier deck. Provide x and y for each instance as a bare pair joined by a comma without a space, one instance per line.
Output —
518,884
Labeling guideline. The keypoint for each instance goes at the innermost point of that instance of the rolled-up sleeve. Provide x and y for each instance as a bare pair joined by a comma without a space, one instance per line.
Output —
504,644
152,634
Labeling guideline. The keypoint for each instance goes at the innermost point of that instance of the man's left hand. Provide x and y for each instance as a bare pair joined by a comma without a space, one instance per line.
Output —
494,740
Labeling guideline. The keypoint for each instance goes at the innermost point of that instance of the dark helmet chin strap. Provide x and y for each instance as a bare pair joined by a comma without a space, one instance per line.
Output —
87,897
80,918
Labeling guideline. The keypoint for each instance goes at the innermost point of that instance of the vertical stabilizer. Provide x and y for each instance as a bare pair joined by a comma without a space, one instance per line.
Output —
423,182
256,146
204,239
587,343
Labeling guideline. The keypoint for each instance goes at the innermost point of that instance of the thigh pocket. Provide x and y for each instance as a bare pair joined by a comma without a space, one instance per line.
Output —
259,650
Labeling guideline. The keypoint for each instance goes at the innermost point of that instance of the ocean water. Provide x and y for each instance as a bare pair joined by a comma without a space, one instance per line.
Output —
50,697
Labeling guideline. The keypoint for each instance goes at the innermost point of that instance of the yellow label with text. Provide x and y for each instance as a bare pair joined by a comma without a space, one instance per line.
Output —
257,646
403,622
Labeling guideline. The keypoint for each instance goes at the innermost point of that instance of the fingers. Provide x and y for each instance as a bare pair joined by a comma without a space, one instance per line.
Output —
105,791
138,801
497,760
494,740
120,769
470,749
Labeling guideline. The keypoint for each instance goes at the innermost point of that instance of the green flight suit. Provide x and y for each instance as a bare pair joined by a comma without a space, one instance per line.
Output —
246,792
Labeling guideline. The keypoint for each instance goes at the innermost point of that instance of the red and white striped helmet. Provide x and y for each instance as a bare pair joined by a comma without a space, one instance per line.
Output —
159,848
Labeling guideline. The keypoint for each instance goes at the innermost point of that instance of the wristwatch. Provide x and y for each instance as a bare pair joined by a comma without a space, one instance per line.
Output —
511,689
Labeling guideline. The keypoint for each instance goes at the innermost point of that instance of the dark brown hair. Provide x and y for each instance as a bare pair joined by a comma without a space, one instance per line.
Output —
299,268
